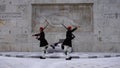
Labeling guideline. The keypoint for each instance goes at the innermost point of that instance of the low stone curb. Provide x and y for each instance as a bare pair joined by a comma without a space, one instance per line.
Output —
76,57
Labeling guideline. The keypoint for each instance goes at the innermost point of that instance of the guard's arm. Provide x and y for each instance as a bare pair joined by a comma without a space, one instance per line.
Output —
74,29
36,34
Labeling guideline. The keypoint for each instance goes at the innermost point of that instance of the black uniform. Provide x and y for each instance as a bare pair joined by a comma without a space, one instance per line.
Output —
69,37
41,38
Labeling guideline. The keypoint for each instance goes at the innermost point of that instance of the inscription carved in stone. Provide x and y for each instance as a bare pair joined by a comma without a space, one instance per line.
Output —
68,14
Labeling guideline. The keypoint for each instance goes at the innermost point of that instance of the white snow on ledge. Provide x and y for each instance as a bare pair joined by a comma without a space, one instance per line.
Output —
59,55
12,62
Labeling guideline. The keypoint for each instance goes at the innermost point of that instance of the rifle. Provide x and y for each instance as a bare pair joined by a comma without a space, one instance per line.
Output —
64,26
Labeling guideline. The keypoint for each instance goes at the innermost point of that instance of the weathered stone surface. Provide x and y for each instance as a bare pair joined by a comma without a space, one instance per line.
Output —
99,21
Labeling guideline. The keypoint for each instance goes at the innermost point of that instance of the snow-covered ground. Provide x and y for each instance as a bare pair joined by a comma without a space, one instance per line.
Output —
85,62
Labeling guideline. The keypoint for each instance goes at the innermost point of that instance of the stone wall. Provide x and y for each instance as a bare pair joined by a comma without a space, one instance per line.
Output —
16,21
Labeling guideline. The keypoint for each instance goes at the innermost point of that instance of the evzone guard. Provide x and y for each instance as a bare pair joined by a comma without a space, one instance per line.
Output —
43,42
67,44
